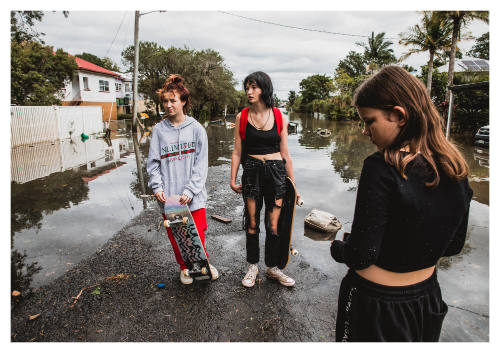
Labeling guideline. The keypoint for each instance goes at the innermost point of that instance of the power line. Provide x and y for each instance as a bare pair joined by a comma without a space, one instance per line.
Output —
116,34
300,28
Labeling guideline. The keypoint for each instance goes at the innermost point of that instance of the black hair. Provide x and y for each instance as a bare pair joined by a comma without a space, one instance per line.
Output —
262,80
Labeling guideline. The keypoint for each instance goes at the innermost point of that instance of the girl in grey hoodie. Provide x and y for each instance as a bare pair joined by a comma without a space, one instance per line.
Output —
178,161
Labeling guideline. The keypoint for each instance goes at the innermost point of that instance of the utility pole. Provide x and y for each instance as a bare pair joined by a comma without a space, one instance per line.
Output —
136,70
138,156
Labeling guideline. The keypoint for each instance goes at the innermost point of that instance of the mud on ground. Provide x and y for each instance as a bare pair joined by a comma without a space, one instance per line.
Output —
120,300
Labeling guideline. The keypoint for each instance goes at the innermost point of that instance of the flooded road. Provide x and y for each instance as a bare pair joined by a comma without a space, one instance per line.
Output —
64,216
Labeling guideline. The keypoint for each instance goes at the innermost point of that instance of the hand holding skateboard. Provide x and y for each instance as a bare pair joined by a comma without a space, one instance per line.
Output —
184,199
160,196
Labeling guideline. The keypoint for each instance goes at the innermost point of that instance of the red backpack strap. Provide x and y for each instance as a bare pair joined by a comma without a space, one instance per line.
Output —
279,119
243,122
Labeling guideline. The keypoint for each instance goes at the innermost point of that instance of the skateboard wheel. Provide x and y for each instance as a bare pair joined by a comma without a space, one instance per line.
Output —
204,271
166,223
294,252
184,220
186,272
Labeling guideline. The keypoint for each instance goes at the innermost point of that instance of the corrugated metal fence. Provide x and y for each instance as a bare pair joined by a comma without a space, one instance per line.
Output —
34,124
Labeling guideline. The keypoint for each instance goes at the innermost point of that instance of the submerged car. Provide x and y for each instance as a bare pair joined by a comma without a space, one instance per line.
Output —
482,137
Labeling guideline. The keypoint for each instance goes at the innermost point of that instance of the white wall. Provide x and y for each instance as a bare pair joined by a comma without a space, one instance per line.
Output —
35,124
93,94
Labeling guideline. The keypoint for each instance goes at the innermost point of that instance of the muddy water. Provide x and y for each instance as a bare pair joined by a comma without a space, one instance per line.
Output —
60,217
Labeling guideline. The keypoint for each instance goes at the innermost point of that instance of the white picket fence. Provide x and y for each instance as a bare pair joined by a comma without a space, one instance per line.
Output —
35,124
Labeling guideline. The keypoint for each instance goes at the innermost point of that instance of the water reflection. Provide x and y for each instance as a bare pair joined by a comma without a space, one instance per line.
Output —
61,186
349,151
308,131
478,160
220,144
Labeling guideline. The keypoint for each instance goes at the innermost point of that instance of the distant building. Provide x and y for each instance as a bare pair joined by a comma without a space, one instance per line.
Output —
124,97
468,64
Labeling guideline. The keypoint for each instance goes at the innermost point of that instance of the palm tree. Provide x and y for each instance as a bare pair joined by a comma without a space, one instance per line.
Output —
460,19
377,51
432,35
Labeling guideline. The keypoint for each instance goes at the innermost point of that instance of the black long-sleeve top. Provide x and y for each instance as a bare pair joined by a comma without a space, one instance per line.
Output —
402,225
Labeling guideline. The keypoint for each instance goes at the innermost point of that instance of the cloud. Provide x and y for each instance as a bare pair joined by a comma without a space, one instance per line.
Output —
288,55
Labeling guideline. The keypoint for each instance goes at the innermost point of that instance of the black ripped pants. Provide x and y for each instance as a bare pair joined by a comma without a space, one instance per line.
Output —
264,182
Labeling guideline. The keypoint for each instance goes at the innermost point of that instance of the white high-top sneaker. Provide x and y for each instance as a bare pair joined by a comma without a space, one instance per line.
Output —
276,273
249,279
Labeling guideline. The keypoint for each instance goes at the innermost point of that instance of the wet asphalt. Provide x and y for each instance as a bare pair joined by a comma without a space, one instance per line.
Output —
120,300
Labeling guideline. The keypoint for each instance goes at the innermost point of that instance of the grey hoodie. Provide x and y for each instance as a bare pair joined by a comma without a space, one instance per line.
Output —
178,160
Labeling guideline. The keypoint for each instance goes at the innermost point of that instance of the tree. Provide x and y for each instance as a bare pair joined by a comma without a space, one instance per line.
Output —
460,20
432,35
152,70
354,64
377,52
345,86
106,63
210,83
38,75
22,25
408,68
292,96
481,48
438,90
276,100
315,87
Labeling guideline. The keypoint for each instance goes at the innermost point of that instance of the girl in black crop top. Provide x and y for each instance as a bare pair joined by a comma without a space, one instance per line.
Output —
263,151
412,208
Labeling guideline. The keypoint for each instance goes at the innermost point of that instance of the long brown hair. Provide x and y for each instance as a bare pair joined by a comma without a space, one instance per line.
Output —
423,131
175,83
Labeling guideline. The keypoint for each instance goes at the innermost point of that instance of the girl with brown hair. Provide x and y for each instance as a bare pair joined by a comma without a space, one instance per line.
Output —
412,208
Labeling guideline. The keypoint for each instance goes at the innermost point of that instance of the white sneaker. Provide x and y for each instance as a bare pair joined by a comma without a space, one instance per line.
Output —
185,277
249,279
276,273
215,273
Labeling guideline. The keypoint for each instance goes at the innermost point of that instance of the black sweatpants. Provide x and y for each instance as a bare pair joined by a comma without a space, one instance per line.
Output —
371,312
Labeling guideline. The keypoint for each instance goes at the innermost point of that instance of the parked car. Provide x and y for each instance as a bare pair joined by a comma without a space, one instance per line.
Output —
482,137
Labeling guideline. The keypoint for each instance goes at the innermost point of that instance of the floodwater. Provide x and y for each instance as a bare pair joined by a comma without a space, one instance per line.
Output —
69,197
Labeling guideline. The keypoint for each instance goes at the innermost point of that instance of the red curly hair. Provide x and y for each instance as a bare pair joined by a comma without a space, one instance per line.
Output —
175,83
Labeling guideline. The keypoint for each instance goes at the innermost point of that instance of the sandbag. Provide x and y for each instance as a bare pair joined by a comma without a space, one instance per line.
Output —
322,221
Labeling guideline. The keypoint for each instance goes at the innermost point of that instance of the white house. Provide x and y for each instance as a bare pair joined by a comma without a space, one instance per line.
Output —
95,85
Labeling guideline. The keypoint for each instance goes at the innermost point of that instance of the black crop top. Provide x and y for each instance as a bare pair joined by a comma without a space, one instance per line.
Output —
260,142
402,225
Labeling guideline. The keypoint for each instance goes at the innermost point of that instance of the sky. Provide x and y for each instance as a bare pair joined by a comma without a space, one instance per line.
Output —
288,55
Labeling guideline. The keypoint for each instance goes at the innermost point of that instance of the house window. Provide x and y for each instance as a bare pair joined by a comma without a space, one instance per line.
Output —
118,86
103,86
127,87
86,83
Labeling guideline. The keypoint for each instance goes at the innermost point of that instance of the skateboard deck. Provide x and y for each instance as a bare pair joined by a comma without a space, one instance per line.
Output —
285,224
180,221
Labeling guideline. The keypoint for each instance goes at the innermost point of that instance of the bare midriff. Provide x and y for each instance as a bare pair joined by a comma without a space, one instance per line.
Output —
378,275
267,157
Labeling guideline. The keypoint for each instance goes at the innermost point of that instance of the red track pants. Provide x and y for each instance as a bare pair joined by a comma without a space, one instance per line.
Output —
200,220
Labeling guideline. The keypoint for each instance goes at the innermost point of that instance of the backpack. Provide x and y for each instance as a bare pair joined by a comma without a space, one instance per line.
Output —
243,128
